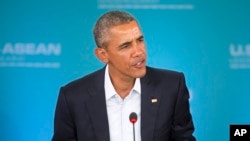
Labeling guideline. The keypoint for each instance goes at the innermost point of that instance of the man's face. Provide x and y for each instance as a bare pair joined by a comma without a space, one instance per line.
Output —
126,54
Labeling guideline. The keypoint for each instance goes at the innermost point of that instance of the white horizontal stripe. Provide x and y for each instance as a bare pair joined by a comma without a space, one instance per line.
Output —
147,6
31,64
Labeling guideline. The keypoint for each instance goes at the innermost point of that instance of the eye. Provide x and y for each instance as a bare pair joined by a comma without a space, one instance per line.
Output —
125,45
141,39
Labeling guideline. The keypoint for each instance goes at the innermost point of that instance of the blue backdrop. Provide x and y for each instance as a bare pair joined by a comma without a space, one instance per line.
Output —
45,44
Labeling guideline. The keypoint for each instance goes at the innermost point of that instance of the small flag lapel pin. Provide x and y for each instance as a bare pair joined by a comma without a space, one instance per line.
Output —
154,100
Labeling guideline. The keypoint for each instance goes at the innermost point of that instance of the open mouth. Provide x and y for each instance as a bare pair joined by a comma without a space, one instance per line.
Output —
139,64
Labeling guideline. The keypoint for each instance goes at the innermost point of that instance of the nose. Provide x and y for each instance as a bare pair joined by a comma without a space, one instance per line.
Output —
138,49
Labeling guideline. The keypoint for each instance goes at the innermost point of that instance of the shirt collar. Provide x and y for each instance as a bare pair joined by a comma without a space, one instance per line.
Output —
110,90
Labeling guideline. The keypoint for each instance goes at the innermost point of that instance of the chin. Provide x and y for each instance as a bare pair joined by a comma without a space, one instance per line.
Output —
140,74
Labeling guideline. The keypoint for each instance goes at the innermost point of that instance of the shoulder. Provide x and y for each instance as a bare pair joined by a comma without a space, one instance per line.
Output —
163,78
90,80
158,73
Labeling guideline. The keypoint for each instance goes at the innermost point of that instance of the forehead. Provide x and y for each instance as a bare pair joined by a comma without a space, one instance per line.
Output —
129,28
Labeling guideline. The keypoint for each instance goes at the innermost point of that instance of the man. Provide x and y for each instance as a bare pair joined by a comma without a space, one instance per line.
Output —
97,107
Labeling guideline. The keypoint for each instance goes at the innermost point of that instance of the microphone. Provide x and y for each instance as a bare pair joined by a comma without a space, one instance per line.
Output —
133,119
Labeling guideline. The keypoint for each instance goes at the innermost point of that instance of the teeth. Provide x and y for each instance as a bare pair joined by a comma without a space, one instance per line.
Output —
138,63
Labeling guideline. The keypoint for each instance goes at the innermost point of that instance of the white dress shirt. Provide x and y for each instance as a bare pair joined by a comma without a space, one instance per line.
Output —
120,127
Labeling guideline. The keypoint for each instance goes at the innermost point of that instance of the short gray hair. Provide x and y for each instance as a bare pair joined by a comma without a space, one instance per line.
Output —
108,20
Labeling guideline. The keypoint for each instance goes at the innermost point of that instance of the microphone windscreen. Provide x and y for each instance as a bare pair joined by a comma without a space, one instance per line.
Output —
133,117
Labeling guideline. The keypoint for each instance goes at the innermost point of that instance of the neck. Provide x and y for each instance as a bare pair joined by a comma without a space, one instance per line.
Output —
122,85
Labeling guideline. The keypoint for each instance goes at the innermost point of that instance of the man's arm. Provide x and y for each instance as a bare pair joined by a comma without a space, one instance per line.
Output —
183,127
64,128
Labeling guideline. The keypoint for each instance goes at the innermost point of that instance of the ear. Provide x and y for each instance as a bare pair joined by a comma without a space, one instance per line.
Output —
102,55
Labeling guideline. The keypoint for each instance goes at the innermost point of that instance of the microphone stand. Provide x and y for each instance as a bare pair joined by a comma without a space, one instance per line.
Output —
134,130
